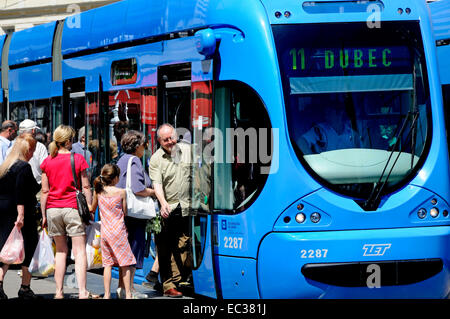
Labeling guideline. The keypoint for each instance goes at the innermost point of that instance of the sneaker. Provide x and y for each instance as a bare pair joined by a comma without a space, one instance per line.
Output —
121,293
152,277
138,295
26,294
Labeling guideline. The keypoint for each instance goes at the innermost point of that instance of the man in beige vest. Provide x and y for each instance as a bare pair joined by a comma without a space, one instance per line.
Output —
169,171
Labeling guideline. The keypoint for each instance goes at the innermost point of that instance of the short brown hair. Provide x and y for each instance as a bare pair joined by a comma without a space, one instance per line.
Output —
8,124
131,140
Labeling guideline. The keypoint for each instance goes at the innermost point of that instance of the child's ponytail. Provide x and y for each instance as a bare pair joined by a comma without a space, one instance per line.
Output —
99,184
108,173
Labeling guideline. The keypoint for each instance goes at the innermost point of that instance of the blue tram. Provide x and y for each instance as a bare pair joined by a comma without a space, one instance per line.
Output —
320,163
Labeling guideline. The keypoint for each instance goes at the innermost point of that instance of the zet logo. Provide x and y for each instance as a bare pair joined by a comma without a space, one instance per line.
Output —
375,249
224,224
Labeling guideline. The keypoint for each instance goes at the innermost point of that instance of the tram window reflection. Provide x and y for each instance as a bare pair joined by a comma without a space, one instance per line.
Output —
239,169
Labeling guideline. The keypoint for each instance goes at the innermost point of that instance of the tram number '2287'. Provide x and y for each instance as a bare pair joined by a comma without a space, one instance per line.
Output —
314,253
233,242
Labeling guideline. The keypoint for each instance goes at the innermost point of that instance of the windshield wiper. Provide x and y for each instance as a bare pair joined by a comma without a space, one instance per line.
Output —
374,199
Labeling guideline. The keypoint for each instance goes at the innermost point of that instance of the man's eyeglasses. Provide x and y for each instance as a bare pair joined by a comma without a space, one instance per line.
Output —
172,138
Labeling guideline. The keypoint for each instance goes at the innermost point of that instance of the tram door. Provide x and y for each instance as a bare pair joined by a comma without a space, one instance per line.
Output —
2,111
185,101
74,101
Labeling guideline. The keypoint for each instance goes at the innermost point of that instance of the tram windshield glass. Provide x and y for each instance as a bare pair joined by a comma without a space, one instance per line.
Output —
357,101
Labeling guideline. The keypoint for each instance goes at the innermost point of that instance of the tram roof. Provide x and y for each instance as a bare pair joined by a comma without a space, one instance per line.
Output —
32,44
129,20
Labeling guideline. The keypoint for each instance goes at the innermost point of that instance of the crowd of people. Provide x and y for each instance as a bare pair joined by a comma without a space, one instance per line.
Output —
33,170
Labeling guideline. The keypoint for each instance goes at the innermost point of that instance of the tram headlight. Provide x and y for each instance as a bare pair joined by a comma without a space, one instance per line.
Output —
315,217
300,218
422,213
434,212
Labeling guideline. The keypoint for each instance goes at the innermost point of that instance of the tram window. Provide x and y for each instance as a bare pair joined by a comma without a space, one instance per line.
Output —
41,115
356,99
38,111
124,72
57,114
125,110
446,96
242,141
92,137
19,111
125,106
148,116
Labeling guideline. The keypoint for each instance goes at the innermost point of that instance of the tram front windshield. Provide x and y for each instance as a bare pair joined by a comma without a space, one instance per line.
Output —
357,101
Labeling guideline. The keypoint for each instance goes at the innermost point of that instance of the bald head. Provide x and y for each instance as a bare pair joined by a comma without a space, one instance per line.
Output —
166,137
166,127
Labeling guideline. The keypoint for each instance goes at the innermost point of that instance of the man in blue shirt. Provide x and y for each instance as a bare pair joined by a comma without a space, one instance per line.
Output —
334,132
8,133
80,146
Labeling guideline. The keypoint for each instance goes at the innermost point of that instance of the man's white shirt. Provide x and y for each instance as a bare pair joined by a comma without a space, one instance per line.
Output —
5,145
40,154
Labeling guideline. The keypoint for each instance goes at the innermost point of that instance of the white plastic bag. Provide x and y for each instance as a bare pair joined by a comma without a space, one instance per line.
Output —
93,249
13,252
43,261
93,243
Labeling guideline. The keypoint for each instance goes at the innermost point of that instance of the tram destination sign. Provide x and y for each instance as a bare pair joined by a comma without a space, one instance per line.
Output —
303,61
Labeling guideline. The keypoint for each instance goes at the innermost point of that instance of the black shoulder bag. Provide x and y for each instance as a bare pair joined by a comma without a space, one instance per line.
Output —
83,208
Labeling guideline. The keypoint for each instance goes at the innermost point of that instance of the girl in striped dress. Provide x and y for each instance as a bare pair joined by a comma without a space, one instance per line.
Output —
116,250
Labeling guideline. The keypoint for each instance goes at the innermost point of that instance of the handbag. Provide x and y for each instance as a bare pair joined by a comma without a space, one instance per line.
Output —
83,208
138,206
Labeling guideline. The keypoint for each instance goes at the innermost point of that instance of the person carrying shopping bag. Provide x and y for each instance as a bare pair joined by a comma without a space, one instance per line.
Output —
60,210
18,190
134,145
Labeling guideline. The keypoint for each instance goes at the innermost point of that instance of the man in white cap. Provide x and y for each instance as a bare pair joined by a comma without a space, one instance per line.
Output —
40,154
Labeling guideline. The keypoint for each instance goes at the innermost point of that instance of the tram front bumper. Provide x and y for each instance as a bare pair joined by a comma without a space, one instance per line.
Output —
380,263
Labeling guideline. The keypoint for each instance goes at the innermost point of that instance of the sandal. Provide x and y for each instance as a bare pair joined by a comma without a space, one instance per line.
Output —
92,296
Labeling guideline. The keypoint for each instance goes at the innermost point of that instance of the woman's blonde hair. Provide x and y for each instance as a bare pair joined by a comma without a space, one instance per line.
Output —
22,145
61,136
